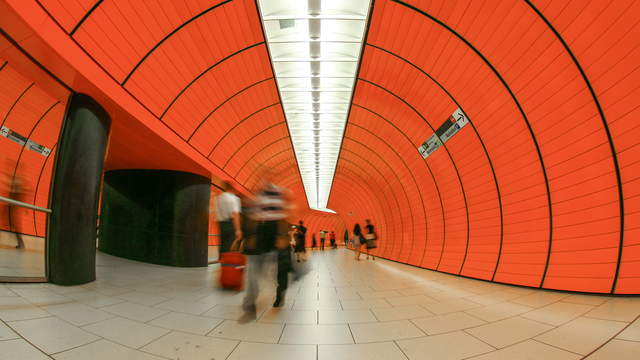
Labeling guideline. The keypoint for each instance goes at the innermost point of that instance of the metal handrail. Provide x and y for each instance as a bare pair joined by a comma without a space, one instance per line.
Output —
24,205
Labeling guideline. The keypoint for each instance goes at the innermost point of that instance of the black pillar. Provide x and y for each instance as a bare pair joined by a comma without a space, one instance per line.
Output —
155,216
71,247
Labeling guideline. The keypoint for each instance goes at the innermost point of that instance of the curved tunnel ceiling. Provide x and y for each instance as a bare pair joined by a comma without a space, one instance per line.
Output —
541,188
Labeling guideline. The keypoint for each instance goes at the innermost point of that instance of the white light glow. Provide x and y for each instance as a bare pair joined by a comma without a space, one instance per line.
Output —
315,48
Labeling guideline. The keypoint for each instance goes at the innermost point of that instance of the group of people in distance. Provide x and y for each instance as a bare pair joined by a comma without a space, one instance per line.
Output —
263,231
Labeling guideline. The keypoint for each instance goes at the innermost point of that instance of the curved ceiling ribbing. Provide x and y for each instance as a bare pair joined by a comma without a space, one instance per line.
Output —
201,68
540,172
540,190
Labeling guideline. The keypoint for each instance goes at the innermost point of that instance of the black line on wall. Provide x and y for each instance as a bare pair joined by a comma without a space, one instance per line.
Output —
168,36
93,8
224,102
493,172
520,109
605,125
205,72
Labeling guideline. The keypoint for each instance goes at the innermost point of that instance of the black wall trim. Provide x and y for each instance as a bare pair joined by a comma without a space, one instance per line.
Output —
95,6
224,102
424,211
44,166
265,161
455,167
252,138
16,102
394,173
168,36
25,53
520,109
484,148
204,72
605,125
3,65
238,124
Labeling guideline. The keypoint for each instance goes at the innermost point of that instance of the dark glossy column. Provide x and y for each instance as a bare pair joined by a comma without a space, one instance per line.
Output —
71,246
155,216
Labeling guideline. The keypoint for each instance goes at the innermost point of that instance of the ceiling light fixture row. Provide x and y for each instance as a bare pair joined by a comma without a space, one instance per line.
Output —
315,48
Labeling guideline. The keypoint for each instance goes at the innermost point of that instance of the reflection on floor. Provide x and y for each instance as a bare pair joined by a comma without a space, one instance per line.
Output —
342,309
24,262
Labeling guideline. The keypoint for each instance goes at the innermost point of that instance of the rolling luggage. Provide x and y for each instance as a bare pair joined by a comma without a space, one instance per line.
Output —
232,266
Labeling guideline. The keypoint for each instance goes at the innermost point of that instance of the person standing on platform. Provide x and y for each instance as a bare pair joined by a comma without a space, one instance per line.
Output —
371,239
228,216
314,243
301,238
322,238
332,239
15,188
358,240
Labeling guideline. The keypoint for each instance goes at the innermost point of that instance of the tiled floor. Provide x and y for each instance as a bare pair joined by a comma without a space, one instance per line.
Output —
341,310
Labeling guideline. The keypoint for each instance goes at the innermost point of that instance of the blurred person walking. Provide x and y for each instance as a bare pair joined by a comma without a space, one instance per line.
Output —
358,240
322,238
15,189
270,211
371,239
314,243
332,239
228,211
301,238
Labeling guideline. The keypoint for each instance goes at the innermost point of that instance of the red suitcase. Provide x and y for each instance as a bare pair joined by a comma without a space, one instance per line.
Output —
232,266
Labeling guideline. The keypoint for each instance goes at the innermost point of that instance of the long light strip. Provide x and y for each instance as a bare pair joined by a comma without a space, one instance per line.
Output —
315,49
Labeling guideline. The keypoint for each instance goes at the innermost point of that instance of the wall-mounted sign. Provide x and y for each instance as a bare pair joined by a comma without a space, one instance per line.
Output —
23,141
450,127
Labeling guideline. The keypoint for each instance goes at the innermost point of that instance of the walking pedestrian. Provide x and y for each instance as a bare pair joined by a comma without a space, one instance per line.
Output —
371,239
358,241
228,216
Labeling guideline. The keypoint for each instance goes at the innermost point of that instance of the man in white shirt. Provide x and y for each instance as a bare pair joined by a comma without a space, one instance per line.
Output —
228,216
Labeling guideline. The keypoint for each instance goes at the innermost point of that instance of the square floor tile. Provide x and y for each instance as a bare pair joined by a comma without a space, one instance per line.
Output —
6,333
411,300
447,323
316,334
372,351
199,325
364,304
384,331
509,331
529,350
135,312
449,306
52,335
452,346
248,350
618,309
17,308
41,296
498,311
345,316
142,298
104,350
77,314
401,313
20,350
126,332
540,298
632,332
187,307
94,299
558,313
285,316
181,346
254,331
618,350
582,335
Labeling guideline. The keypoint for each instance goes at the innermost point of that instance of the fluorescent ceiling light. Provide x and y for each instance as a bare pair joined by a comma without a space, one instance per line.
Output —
315,48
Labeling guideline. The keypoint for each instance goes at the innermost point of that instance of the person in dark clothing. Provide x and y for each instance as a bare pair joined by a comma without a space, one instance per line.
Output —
332,239
358,240
371,238
314,243
16,191
322,237
300,239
